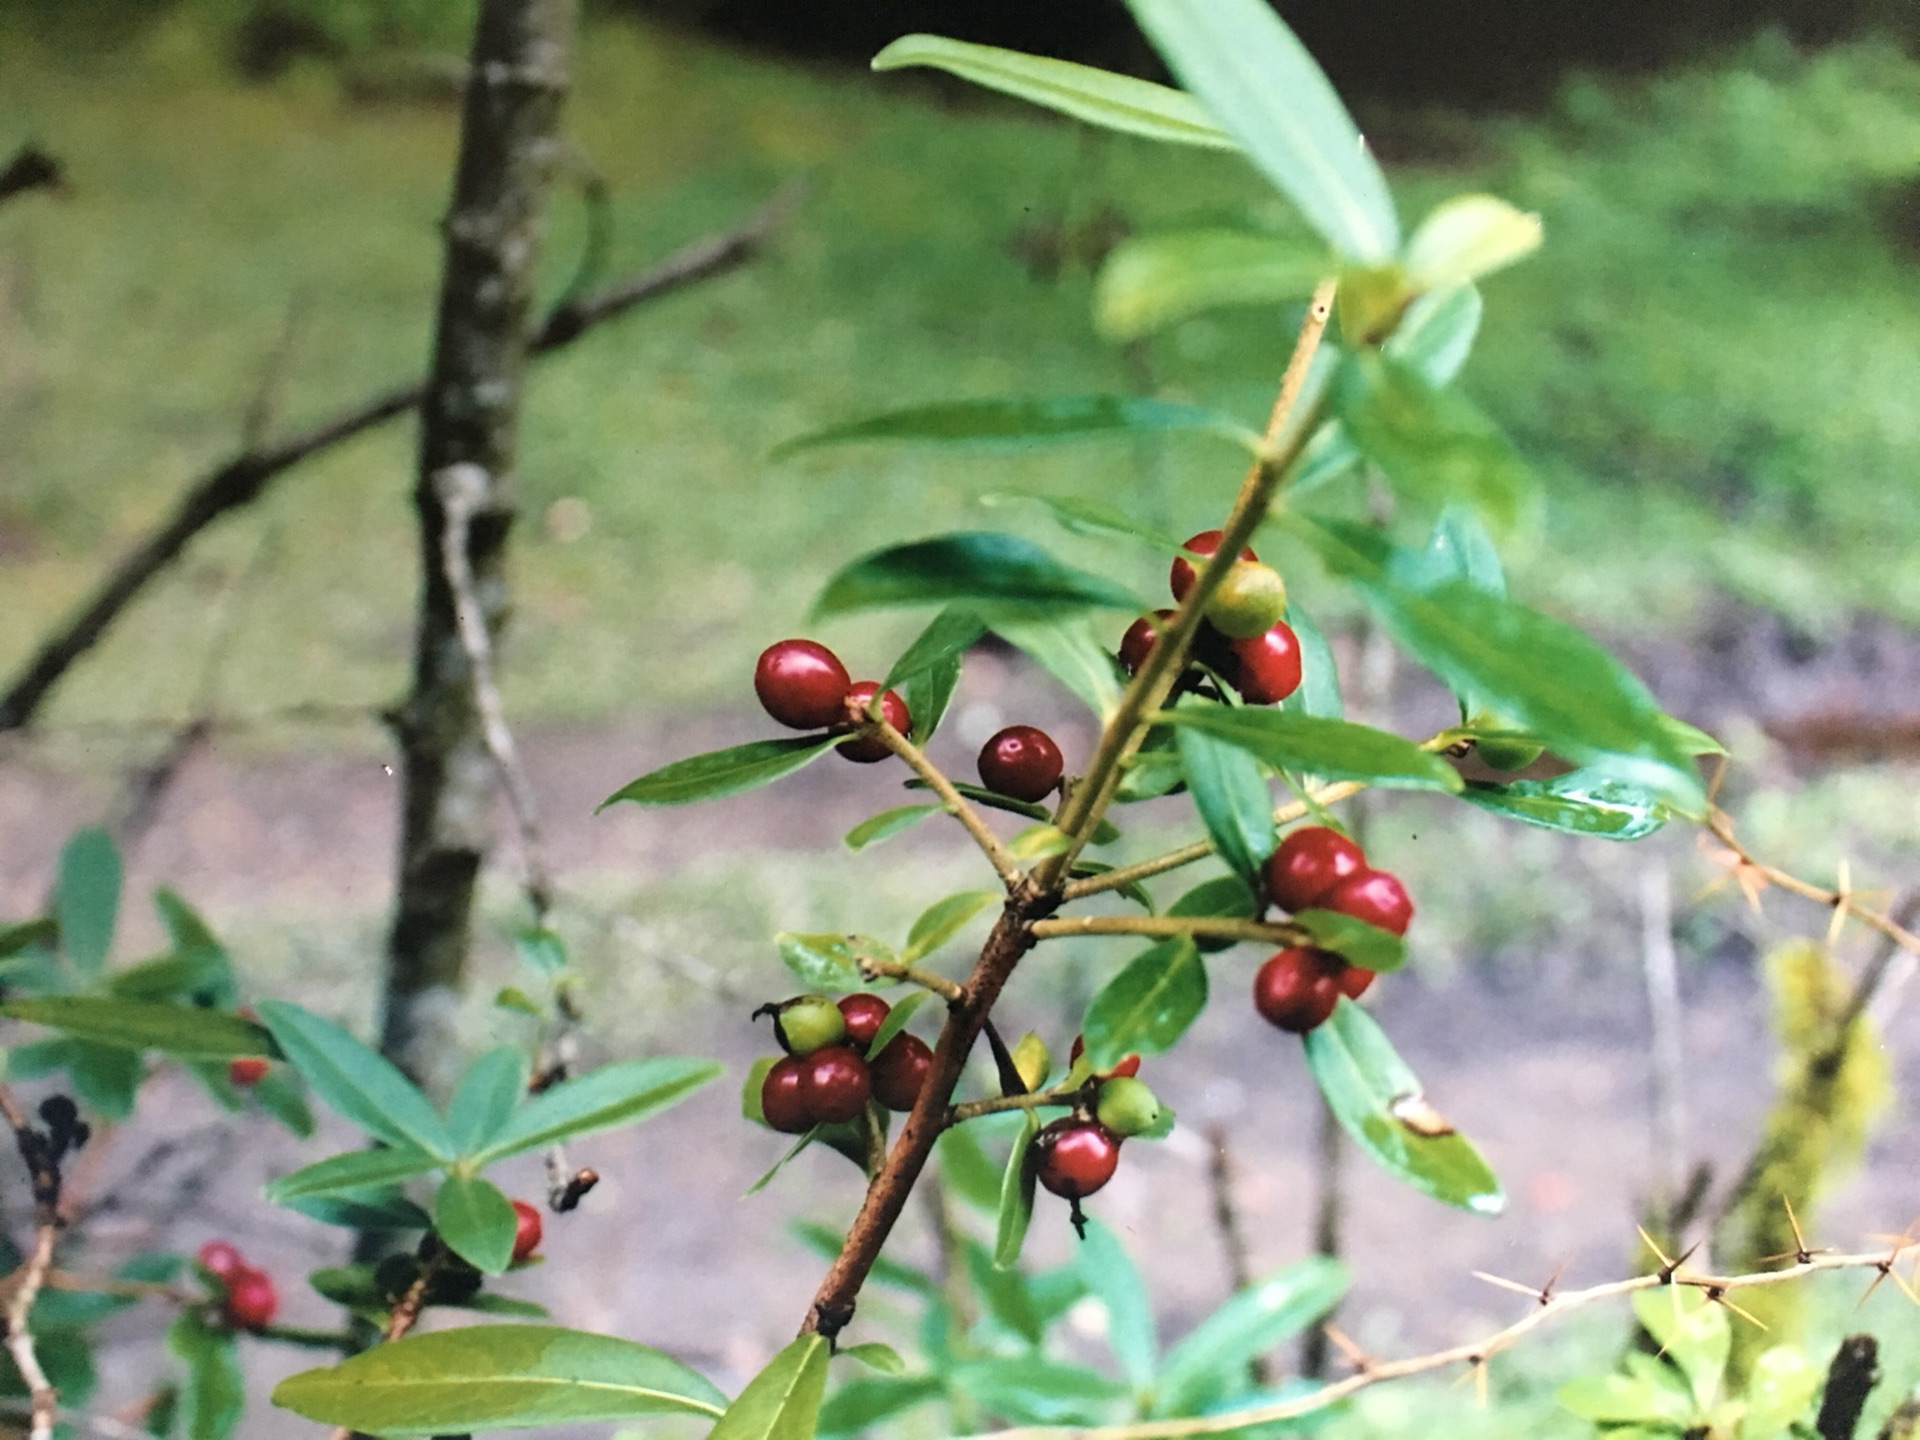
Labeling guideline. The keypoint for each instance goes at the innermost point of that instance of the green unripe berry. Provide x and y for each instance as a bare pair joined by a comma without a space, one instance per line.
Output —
1127,1107
1031,1060
810,1023
1251,600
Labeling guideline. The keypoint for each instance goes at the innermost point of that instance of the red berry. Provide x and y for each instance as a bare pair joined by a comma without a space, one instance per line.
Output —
1373,896
1021,761
866,749
1127,1067
900,1071
1309,863
1265,669
780,1101
251,1300
1075,1157
801,684
247,1070
221,1260
1182,575
526,1230
1139,639
834,1084
865,1014
1353,980
1297,988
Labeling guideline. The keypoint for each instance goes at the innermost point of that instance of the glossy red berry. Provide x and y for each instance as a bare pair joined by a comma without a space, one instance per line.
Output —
834,1084
1074,1157
866,749
527,1230
780,1100
221,1260
900,1071
247,1070
1265,669
1373,896
864,1014
251,1300
801,684
1021,761
1297,988
1139,639
1354,980
1182,575
1309,863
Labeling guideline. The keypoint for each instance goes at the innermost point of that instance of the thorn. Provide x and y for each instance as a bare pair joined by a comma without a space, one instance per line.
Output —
1800,1254
1668,1268
1718,1295
1356,1357
1515,1286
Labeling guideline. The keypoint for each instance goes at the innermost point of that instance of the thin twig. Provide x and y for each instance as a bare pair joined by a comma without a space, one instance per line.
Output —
875,968
1752,871
1211,926
42,1152
974,1109
955,804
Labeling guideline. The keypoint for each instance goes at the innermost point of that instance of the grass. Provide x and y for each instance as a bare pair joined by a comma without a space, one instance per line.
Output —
1705,362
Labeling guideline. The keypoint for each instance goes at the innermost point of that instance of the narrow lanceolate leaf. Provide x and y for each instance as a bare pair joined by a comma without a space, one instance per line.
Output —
1231,795
1211,1363
1067,649
929,670
877,1356
27,935
1022,422
1151,281
356,1082
1148,1005
1241,61
827,961
616,1094
1380,1104
499,1377
1113,1279
1104,833
1354,940
1332,749
896,1020
1095,518
1458,549
944,919
216,1392
352,1172
887,824
1034,1389
1540,674
476,1220
1467,237
721,772
184,1030
1017,1184
1433,444
1582,802
782,1402
489,1091
968,566
1099,97
87,898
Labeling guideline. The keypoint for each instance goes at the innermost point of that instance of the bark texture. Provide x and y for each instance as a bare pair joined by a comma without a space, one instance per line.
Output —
509,151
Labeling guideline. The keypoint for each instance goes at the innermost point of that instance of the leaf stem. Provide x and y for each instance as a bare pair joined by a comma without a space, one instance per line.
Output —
1209,926
875,968
955,804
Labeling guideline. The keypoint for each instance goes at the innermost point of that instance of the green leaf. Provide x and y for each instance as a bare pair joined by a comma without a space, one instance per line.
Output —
1099,97
194,940
1458,549
1226,897
215,1392
1148,1005
1380,1104
721,772
182,976
929,671
1781,1384
1242,62
967,566
87,898
356,1170
1129,890
371,1208
1036,842
1355,940
616,1094
512,997
1231,795
283,1097
828,962
1319,692
1105,833
107,1077
1436,334
877,1356
1033,1390
887,824
1693,1333
965,1168
1081,516
1112,1278
1005,1294
28,935
896,1020
355,1082
1017,1184
1541,674
1588,801
541,950
1022,422
792,1150
485,1101
1211,1362
1624,1400
1335,749
864,1402
782,1402
1066,648
1150,281
1433,444
476,1221
944,919
825,1241
499,1377
184,1030
1466,237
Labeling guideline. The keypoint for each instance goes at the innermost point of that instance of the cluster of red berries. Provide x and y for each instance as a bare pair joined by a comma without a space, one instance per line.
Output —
1316,868
1243,638
828,1073
248,1299
1078,1153
803,685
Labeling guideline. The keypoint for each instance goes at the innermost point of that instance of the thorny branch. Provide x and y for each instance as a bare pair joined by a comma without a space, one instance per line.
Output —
1754,875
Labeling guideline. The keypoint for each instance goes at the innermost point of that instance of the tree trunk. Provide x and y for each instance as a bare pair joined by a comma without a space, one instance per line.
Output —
509,144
